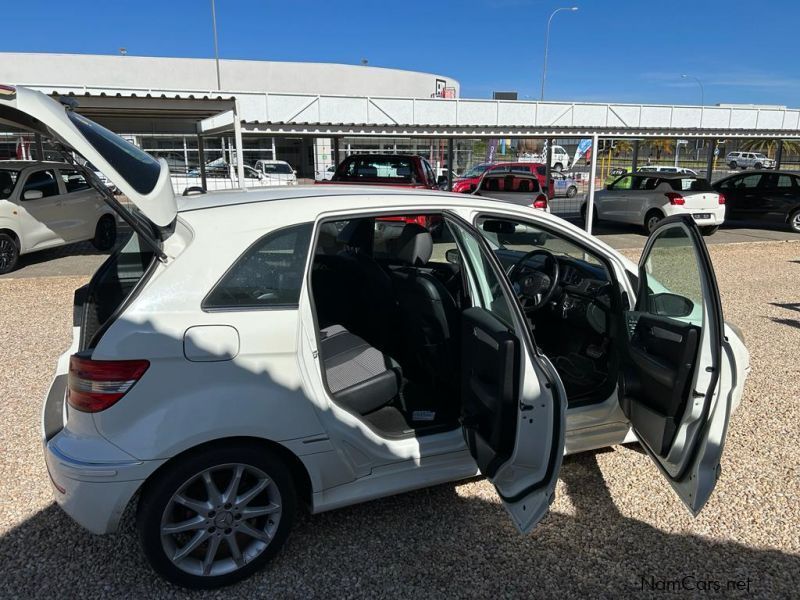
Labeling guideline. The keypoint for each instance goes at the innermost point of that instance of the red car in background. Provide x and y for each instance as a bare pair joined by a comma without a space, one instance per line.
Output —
469,180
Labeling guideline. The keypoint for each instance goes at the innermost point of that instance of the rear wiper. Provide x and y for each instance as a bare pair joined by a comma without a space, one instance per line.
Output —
143,229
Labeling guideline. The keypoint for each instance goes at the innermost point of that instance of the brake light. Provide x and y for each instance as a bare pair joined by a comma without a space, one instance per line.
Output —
540,202
722,198
94,385
676,199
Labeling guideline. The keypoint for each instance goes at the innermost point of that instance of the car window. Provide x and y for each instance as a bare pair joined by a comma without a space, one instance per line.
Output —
429,172
8,179
43,181
250,173
623,183
520,169
136,166
690,184
369,167
749,181
268,274
280,168
785,182
74,181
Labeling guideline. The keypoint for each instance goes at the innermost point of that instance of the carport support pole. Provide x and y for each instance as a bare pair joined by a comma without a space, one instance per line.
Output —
335,151
237,134
201,157
778,154
547,162
635,161
710,158
592,175
450,164
37,140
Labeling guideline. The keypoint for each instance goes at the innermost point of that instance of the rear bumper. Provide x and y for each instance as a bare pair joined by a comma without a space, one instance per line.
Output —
716,216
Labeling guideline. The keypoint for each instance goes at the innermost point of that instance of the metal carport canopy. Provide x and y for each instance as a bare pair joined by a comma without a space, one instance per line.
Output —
321,115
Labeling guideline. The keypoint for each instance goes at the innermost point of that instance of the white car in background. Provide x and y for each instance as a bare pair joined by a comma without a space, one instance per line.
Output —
745,160
49,204
277,172
666,169
325,174
517,188
245,352
647,198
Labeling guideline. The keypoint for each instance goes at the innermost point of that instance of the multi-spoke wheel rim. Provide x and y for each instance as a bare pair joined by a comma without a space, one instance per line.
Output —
7,252
652,222
220,519
796,221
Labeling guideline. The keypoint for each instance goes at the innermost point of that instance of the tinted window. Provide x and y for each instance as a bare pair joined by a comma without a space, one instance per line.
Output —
138,168
785,182
74,181
281,168
43,181
624,183
8,179
690,184
385,167
269,273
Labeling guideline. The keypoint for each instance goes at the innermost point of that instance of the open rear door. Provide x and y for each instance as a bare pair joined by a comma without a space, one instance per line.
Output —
513,402
676,384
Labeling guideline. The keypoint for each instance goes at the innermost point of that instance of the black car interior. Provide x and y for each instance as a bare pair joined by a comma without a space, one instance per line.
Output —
392,310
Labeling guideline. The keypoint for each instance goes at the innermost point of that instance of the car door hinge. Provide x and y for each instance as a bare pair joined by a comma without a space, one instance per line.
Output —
315,353
525,407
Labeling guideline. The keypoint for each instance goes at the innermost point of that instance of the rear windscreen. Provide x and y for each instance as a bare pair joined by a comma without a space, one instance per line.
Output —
138,168
690,184
111,286
369,167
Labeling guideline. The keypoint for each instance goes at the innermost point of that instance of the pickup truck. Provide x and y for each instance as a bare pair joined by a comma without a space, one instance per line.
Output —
384,169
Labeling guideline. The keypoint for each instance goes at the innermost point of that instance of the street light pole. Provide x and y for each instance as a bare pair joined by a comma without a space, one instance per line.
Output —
547,42
216,45
700,83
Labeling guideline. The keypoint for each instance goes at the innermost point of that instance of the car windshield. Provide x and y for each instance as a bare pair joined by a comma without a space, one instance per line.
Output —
280,168
690,184
368,167
8,179
759,155
476,171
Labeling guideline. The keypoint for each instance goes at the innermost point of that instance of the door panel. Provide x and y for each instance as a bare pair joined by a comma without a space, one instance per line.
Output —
678,370
80,206
513,402
41,219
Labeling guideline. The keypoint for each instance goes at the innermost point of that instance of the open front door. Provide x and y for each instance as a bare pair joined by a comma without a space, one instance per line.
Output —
513,402
676,385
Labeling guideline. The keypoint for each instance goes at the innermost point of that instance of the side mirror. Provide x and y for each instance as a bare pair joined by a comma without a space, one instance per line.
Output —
671,305
453,256
32,195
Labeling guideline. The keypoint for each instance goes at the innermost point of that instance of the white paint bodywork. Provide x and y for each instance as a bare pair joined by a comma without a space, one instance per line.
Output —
50,221
266,381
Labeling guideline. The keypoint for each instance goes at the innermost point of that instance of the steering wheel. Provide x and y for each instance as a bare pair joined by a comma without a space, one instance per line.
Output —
535,288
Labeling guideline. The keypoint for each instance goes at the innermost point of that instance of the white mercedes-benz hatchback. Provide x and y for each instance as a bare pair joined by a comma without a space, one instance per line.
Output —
246,352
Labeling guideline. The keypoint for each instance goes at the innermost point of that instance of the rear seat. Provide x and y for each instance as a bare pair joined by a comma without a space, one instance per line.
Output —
359,376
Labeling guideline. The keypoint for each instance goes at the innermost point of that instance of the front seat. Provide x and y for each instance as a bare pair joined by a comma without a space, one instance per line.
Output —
428,313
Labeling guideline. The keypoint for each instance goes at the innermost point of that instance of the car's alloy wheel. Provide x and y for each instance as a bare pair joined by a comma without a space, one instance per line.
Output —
221,519
794,221
652,221
732,164
216,516
9,253
572,191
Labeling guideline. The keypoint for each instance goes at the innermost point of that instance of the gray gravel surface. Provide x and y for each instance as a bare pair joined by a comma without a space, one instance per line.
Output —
614,521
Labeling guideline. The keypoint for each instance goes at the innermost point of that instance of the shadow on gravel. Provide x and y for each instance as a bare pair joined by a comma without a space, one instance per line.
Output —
795,306
426,543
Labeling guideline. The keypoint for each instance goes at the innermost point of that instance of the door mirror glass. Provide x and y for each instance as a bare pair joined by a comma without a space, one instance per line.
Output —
453,256
32,195
667,304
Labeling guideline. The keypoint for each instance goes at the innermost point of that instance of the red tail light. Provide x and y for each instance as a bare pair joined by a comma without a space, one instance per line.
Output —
540,202
94,385
721,198
676,199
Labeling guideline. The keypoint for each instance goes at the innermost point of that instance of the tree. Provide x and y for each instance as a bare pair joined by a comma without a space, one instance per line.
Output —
770,147
660,146
622,147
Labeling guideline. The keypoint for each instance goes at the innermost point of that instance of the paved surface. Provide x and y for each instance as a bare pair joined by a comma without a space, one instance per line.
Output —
615,530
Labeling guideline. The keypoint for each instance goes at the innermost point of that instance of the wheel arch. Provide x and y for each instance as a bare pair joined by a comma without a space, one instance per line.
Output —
12,233
299,472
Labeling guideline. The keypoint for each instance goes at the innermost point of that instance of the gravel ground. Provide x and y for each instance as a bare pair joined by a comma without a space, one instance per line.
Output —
613,524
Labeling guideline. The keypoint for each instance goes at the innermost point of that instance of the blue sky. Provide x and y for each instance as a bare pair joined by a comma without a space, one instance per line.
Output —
612,50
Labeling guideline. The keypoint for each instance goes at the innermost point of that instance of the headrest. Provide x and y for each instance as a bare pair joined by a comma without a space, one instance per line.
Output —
415,245
6,183
326,244
357,234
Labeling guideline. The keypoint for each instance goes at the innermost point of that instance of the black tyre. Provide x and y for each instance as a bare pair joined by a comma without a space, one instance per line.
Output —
572,191
757,165
217,515
105,233
711,230
651,220
732,164
558,167
9,253
794,221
